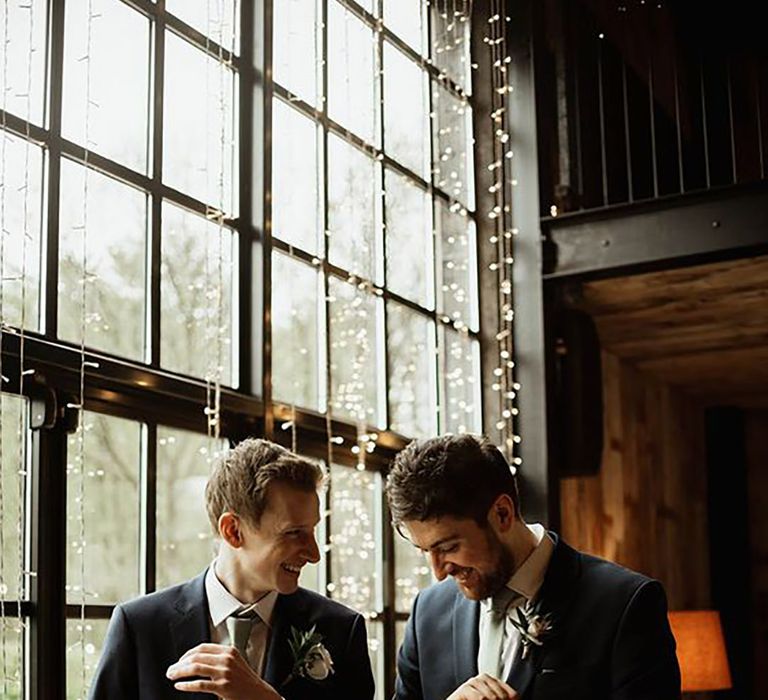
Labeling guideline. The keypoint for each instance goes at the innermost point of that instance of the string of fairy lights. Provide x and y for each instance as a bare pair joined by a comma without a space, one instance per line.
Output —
21,475
20,234
3,193
351,303
501,214
217,329
78,469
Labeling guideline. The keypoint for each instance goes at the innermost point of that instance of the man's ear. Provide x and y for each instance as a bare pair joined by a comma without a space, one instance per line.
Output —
231,529
502,513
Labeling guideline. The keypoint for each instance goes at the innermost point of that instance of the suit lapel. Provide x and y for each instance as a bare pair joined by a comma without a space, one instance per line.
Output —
466,640
556,593
278,662
189,627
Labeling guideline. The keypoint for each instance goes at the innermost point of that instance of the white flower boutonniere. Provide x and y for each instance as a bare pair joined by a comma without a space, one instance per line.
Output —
532,625
310,658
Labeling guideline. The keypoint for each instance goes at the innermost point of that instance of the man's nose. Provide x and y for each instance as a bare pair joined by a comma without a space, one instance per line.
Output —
313,551
438,565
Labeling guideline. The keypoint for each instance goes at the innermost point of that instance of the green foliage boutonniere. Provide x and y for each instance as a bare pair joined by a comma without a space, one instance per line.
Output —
310,658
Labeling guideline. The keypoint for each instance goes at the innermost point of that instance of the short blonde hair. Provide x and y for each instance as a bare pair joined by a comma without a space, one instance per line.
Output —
241,479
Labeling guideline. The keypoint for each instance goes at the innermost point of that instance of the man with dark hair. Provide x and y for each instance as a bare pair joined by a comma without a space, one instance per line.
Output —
523,615
243,629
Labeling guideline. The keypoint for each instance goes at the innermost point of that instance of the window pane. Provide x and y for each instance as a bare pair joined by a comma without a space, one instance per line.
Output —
216,20
116,223
405,111
404,18
452,165
197,295
450,41
296,294
355,549
296,215
351,208
411,345
22,178
458,277
408,214
112,85
354,353
351,61
84,644
296,23
412,573
199,135
103,551
460,368
13,643
185,543
13,490
22,50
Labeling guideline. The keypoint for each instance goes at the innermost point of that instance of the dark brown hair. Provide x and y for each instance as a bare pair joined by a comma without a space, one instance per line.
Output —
455,475
241,479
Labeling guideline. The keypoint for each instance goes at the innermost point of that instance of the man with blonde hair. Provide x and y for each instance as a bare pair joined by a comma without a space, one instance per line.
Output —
244,629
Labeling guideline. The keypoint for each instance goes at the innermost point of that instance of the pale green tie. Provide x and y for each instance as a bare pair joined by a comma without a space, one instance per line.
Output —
492,647
239,629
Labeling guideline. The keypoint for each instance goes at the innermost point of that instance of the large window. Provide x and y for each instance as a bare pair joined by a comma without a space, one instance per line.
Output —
373,203
221,219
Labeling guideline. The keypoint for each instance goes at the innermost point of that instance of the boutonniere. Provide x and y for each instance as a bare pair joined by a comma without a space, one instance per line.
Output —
310,658
532,624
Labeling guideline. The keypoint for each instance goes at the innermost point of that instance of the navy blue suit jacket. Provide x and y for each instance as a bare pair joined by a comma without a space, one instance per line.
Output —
150,633
610,638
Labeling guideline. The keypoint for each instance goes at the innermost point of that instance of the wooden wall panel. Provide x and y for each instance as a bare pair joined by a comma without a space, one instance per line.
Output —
646,509
756,429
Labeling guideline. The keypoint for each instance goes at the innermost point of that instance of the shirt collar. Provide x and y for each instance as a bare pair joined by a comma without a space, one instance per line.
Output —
529,577
530,574
222,604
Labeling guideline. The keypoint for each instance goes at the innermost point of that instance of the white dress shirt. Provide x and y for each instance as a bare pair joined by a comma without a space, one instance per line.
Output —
526,581
221,604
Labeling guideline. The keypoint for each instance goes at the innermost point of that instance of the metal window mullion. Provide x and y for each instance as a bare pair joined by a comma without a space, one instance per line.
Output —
379,97
148,510
47,672
262,35
92,612
55,83
156,201
247,224
383,561
326,277
434,204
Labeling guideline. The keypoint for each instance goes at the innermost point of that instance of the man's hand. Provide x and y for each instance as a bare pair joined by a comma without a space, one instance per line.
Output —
483,687
221,671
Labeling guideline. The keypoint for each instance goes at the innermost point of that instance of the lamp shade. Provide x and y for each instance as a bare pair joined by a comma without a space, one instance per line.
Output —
700,650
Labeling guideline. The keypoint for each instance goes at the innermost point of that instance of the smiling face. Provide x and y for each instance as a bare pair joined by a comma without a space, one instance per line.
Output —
459,547
272,555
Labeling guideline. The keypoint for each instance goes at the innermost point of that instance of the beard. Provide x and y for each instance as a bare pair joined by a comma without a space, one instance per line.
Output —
500,571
